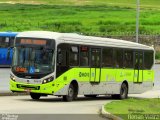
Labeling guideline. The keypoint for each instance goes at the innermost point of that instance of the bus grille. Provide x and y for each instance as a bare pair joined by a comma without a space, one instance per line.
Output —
28,87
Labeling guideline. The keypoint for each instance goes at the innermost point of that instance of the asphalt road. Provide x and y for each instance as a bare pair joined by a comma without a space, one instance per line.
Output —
53,107
50,105
4,79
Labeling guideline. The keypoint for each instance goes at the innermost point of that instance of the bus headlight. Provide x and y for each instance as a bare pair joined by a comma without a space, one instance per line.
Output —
12,77
47,80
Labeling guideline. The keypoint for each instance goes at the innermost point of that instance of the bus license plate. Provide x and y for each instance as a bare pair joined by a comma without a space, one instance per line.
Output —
28,90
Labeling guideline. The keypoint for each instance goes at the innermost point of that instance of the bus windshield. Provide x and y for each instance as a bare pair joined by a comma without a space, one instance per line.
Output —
33,60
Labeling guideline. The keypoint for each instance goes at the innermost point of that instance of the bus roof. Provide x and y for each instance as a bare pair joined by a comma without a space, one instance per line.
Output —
8,34
74,38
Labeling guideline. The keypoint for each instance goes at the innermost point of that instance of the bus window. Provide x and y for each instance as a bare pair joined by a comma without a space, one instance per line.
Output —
138,60
95,57
4,42
141,60
11,41
128,59
148,59
73,56
107,60
118,58
62,57
84,56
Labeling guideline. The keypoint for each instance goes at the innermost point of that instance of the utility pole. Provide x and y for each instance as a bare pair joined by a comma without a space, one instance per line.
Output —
137,21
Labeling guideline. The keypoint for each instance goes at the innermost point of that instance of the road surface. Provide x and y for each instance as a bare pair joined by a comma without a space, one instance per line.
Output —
4,79
53,107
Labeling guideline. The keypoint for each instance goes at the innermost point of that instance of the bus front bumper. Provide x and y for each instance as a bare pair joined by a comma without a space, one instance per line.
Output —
47,88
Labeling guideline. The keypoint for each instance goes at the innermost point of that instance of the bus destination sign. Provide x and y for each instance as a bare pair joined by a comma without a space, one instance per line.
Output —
33,41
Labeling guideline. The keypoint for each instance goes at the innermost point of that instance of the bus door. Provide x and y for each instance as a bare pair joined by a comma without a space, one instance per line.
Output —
95,70
138,67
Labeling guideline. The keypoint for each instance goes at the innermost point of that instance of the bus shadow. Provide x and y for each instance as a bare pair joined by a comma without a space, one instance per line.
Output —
78,99
93,98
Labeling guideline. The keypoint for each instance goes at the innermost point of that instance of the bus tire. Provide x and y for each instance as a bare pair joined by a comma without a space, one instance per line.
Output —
71,94
35,96
123,91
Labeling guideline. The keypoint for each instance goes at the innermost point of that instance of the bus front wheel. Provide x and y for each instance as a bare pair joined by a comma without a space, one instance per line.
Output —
35,96
71,94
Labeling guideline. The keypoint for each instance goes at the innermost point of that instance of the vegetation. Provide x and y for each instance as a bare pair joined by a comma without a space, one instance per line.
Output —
106,18
89,20
134,106
157,56
120,3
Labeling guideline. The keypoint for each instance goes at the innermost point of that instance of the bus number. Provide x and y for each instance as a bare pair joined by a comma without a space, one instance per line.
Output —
20,69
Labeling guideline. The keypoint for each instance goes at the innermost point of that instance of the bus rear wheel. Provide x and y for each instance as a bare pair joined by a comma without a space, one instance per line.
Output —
123,91
35,96
71,94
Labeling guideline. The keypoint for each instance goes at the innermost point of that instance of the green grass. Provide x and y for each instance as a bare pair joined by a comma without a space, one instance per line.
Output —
157,56
90,20
134,106
121,3
89,17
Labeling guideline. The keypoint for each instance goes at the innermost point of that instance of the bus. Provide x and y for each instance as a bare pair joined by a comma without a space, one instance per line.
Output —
68,64
6,41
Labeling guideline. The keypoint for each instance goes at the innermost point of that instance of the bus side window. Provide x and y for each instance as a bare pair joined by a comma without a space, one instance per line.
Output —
138,60
74,56
4,42
128,59
61,57
84,56
148,59
118,58
107,60
1,41
11,42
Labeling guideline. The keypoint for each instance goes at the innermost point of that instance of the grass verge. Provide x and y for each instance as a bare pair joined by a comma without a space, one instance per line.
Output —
157,56
89,20
134,107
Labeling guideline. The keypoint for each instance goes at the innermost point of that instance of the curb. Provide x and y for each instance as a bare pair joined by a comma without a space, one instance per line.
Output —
157,61
108,115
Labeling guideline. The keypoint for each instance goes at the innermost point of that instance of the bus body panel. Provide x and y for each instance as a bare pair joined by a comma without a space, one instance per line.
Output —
4,61
60,85
148,75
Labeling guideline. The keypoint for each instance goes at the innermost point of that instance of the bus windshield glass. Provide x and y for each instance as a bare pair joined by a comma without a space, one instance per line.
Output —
33,59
